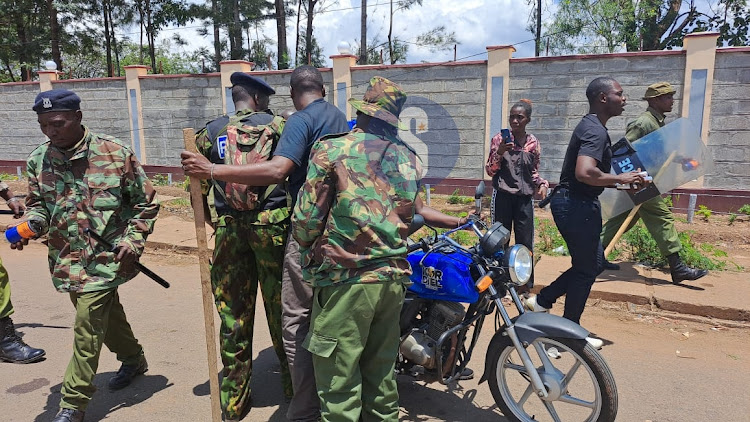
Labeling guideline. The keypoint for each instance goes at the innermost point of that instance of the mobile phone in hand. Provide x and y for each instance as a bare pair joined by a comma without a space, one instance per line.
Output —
505,134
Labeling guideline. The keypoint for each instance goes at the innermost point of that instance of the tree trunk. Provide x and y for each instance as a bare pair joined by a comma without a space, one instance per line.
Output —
54,27
282,52
114,40
150,36
390,33
22,52
107,40
235,33
363,34
309,30
217,38
538,40
296,43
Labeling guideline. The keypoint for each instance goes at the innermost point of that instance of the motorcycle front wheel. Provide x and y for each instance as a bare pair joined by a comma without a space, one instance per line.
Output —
579,383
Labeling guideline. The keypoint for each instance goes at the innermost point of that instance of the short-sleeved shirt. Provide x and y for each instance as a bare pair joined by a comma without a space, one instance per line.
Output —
590,138
302,129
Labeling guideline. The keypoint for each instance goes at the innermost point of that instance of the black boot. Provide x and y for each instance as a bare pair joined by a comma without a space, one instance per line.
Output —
69,415
681,272
126,373
12,348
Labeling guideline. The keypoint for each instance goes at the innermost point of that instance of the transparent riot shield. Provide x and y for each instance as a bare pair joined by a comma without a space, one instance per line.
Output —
672,155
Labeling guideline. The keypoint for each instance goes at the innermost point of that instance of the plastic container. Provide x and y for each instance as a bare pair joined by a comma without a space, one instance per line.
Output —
25,230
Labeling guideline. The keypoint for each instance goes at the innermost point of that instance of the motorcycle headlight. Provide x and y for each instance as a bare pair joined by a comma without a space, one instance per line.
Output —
520,264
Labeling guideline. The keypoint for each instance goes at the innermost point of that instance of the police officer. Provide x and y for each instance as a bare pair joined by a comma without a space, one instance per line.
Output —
575,205
249,248
12,348
655,213
351,220
80,180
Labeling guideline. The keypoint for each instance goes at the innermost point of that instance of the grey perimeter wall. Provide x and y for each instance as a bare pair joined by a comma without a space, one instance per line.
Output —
444,114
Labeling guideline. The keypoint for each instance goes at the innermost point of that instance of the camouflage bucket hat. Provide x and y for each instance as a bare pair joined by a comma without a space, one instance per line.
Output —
383,100
658,89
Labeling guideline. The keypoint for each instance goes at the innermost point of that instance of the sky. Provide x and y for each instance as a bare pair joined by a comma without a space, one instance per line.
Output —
476,23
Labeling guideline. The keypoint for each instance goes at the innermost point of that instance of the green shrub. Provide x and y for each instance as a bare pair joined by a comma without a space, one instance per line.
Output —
668,201
637,245
455,198
704,212
160,180
732,217
549,238
745,209
6,177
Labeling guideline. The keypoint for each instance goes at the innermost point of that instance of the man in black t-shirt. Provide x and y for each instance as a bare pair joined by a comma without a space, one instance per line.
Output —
575,206
313,119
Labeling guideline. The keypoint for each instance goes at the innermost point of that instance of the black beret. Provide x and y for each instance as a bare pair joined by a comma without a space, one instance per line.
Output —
56,100
242,78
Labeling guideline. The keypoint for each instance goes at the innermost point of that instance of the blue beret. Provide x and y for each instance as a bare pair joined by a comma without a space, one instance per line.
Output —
242,78
56,100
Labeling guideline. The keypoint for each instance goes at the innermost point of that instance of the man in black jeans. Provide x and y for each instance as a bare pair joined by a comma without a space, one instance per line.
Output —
575,206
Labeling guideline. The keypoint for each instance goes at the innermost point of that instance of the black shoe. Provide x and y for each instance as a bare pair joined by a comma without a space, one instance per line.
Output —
681,272
126,373
12,348
611,266
69,415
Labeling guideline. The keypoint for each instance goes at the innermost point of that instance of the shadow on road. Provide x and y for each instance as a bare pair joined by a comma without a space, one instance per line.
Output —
629,274
421,402
106,402
265,385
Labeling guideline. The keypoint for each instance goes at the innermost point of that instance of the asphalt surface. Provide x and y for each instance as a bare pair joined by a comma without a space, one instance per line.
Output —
666,369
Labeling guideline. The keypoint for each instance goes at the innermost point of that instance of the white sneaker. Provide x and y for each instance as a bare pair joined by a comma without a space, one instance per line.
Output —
595,342
531,305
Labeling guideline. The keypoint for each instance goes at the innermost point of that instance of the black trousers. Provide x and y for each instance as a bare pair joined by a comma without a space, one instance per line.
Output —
516,212
579,220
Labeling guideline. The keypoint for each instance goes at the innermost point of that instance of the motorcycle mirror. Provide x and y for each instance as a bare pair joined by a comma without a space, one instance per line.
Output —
416,223
478,197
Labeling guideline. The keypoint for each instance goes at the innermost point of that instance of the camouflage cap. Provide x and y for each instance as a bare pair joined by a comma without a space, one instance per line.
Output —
658,89
383,100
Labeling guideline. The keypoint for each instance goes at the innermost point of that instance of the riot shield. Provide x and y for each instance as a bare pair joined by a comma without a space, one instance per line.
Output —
672,155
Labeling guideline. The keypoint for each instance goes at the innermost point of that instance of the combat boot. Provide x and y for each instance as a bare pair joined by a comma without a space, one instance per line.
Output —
69,415
12,348
681,272
126,373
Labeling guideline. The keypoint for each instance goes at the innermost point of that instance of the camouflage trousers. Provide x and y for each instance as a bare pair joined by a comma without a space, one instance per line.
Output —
246,255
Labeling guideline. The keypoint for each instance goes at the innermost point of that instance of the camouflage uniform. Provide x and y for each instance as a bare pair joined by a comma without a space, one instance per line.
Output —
97,184
6,308
351,221
249,251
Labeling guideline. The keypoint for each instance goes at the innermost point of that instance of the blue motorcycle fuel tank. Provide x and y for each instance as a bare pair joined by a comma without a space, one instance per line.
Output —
443,274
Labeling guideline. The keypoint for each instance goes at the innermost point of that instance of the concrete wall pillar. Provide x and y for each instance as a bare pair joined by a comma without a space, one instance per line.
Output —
342,82
498,77
135,109
700,60
227,68
46,77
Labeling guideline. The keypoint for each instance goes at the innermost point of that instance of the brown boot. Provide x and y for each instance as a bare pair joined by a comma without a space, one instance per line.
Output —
12,348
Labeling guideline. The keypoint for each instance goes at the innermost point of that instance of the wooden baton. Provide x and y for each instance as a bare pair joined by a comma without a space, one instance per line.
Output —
196,199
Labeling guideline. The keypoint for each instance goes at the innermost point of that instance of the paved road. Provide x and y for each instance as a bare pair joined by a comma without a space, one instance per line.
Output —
707,380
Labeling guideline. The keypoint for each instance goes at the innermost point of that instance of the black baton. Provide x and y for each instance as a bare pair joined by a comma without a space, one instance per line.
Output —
138,265
543,203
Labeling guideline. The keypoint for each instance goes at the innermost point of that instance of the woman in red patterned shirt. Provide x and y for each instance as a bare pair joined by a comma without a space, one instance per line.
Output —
513,165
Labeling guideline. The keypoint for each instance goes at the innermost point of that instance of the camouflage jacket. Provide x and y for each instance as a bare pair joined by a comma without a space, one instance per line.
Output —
102,187
352,214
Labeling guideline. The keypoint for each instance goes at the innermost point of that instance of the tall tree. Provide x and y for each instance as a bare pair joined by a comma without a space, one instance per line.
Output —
363,34
393,45
282,50
54,32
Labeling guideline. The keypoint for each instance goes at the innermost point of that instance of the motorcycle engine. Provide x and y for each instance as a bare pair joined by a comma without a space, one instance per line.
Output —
419,347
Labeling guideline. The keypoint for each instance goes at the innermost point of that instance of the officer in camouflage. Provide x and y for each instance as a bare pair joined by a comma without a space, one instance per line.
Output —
12,347
656,215
249,248
351,221
81,180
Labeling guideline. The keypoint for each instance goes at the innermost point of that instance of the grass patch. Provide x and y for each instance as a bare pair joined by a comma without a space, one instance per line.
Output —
549,238
8,177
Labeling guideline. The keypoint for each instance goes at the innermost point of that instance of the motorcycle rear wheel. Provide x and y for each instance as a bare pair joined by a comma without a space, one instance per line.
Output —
580,385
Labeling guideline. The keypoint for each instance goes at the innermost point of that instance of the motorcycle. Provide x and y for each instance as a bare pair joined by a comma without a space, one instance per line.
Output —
539,366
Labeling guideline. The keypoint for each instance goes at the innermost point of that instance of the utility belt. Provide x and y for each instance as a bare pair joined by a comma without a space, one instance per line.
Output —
567,192
545,201
260,217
